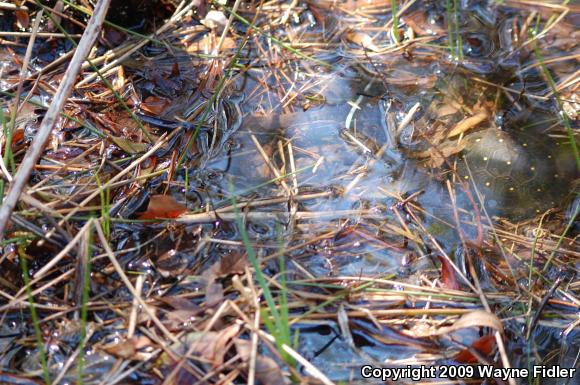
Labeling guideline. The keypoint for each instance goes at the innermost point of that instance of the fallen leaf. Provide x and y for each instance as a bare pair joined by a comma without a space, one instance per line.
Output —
477,318
18,141
448,277
210,346
129,146
162,207
437,156
55,16
467,124
268,372
214,293
362,39
129,348
22,19
484,345
155,105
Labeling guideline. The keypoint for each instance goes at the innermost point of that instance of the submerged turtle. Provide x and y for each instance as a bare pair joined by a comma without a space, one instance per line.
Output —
518,173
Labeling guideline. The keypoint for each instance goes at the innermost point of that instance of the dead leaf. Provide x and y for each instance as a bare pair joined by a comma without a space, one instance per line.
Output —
232,263
55,16
467,124
129,348
210,346
484,345
214,293
448,277
362,39
477,318
22,19
163,207
267,370
18,141
129,146
437,156
155,105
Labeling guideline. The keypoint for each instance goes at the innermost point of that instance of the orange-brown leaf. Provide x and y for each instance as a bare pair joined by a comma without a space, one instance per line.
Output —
448,277
22,19
484,345
154,105
161,207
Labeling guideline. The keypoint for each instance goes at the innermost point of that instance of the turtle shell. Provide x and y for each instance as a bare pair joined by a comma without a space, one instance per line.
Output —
518,173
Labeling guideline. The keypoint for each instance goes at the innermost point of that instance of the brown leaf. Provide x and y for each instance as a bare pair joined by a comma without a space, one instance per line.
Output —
129,348
267,370
484,345
161,207
232,263
18,141
476,318
362,39
448,277
22,19
210,346
467,124
55,16
214,293
436,156
129,146
155,105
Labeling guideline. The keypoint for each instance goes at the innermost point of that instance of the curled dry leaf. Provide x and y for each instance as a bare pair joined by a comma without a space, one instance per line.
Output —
163,207
477,318
467,124
362,39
